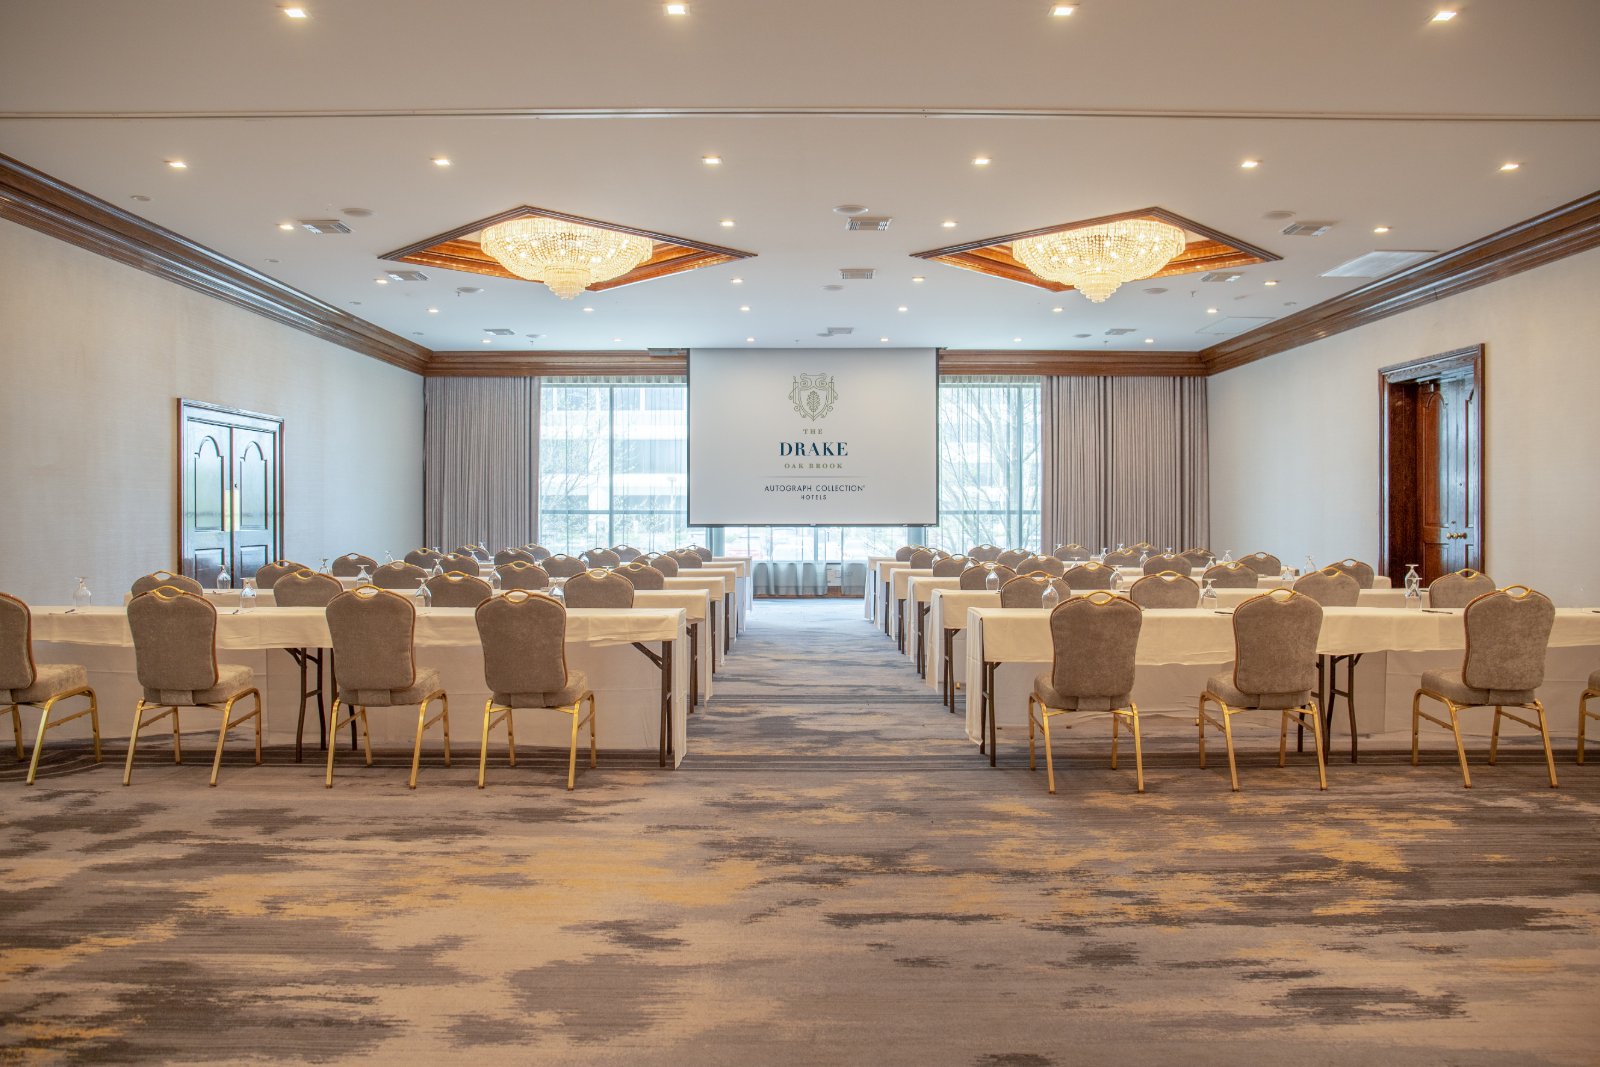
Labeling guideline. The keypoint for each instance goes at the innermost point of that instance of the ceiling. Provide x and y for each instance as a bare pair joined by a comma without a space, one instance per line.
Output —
1363,113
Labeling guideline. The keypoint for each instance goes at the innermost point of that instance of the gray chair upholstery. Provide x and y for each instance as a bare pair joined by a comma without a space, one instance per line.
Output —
563,566
513,555
598,589
642,575
1361,572
525,666
702,551
349,565
538,552
951,566
1126,557
374,639
1072,553
602,558
1168,589
1508,636
521,574
1027,590
1274,669
1029,563
626,553
306,589
662,562
426,558
457,590
1231,576
921,559
158,579
977,575
461,563
175,658
1012,556
1094,640
469,549
1584,714
1089,576
1165,561
984,553
267,575
1330,587
1197,557
903,553
1458,589
687,560
1050,565
1263,563
26,683
399,576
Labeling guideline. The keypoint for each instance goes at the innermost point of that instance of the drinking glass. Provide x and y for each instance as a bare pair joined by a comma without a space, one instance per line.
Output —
223,581
363,576
247,595
81,597
1208,593
992,582
1050,597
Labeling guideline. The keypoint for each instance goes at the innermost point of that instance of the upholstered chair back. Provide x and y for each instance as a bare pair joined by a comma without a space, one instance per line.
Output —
1143,547
1263,563
1012,556
921,559
977,575
687,560
642,575
1166,561
601,557
522,574
1508,634
470,549
1091,575
267,576
1094,640
1197,557
1073,553
1232,576
598,589
524,643
951,566
425,558
626,553
1361,572
349,565
457,590
563,566
538,552
1027,590
984,553
1330,587
1459,589
1028,564
161,578
1126,557
306,589
462,563
1168,589
1275,646
399,576
373,632
903,553
513,555
702,551
661,562
174,642
17,671
1050,565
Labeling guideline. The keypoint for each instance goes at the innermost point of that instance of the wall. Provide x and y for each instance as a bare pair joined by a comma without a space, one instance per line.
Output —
1294,438
92,357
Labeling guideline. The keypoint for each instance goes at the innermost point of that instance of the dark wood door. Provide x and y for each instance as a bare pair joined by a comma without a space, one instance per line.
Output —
230,496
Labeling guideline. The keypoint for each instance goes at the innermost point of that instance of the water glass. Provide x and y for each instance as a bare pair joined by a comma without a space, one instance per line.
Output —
223,581
247,595
1208,593
81,597
1050,597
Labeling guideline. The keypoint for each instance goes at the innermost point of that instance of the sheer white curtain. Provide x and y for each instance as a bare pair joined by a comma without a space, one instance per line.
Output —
480,461
1125,460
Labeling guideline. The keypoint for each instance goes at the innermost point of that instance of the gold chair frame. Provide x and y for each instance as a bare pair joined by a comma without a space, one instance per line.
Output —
503,711
93,711
1584,715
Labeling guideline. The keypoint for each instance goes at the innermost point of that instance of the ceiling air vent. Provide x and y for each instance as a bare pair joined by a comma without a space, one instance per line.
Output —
500,332
837,331
1377,264
868,222
857,274
1307,229
1221,276
406,276
323,226
1118,331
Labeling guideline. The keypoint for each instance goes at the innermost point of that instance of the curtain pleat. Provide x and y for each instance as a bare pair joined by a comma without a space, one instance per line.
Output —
480,461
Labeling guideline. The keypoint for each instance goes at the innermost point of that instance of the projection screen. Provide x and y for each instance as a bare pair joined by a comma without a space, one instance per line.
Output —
829,437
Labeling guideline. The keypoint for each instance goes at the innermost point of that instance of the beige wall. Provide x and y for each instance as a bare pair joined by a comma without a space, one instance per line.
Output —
1294,438
92,355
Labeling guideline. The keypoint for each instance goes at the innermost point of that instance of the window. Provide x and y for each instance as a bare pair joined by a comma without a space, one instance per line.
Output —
988,463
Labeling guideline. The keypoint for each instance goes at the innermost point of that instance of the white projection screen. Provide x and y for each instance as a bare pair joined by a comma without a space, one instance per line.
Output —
845,437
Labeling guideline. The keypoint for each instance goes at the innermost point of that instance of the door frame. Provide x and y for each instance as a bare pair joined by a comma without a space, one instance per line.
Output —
1397,460
238,418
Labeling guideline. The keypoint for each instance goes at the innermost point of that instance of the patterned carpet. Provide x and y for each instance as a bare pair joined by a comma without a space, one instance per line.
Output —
834,876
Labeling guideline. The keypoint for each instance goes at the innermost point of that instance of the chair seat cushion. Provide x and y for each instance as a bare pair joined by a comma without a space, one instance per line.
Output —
49,679
1053,698
426,683
1448,684
576,688
231,678
1221,686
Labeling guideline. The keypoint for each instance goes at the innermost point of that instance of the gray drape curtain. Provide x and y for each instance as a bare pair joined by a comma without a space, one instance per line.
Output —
1124,460
480,461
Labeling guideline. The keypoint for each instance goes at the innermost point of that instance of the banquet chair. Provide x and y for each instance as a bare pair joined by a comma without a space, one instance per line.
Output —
702,551
1091,575
642,575
984,553
426,558
1333,588
399,576
921,559
1361,572
687,560
175,657
1584,714
1263,563
1231,576
1508,637
525,666
1028,564
24,682
626,553
1055,568
598,589
1274,652
1093,641
457,590
1126,557
374,638
951,566
1330,587
662,562
1073,553
513,555
1169,589
520,574
1197,558
903,553
461,563
267,574
167,578
1165,561
537,551
1459,589
1143,546
349,565
1027,590
562,565
1012,556
977,575
476,551
306,589
601,558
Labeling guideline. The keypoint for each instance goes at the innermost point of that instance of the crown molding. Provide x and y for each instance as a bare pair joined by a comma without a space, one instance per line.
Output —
40,202
470,364
1064,363
1533,242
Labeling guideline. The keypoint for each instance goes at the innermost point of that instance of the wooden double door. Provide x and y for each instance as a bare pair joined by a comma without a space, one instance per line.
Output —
231,491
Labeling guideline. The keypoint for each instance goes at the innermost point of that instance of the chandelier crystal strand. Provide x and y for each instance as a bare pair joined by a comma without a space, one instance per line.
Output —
567,256
1097,259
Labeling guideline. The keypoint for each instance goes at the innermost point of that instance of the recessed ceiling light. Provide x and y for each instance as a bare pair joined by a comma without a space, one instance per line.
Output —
488,340
1380,229
727,223
441,161
919,279
851,209
883,340
616,340
293,12
736,281
1249,164
433,311
744,307
948,224
1061,11
1443,15
380,281
749,340
1211,311
285,225
711,161
1270,282
1057,311
1016,340
1510,165
981,161
1149,340
902,307
675,9
178,164
588,309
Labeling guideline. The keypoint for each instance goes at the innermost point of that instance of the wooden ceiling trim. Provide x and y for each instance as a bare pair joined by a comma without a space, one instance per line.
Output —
629,363
36,200
1067,363
1563,231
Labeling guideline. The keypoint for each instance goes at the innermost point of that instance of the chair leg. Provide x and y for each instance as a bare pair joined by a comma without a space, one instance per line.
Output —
258,728
1032,764
1200,721
1494,736
1115,722
1283,735
483,748
1322,759
133,743
328,729
1461,752
444,719
38,744
416,747
1227,733
594,757
1049,752
1138,749
572,751
1544,735
366,733
177,738
222,739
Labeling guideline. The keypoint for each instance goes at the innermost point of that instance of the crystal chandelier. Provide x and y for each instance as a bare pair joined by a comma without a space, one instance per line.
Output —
1097,259
567,256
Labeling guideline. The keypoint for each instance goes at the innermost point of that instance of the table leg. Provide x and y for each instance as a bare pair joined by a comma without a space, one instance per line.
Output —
731,621
888,598
990,711
663,660
900,624
922,625
950,669
694,665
